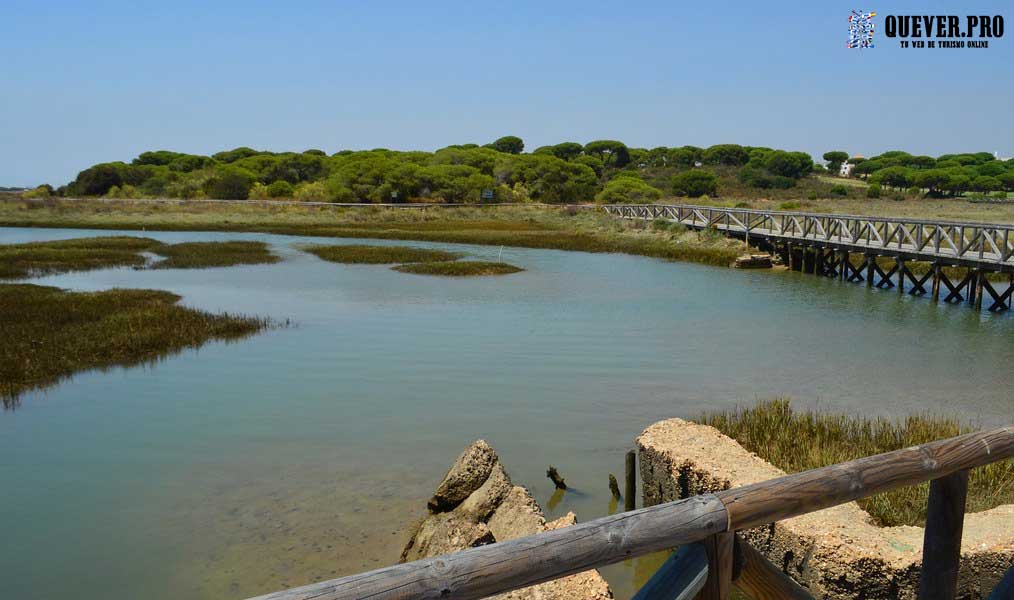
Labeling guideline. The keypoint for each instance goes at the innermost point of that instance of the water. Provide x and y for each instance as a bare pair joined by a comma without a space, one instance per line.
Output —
305,452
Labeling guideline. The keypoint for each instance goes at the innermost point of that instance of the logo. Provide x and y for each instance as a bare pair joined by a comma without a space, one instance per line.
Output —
861,29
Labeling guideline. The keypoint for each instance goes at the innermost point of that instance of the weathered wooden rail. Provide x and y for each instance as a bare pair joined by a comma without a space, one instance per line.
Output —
821,244
713,558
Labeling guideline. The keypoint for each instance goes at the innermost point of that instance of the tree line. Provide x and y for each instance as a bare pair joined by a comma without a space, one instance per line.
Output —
946,175
502,171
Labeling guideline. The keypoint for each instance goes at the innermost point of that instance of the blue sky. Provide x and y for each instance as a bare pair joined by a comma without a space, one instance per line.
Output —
86,84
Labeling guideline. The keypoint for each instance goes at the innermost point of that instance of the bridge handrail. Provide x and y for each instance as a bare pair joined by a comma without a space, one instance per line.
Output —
756,211
504,566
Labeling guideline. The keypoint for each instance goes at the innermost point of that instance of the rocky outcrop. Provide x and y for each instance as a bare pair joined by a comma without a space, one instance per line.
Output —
837,552
476,504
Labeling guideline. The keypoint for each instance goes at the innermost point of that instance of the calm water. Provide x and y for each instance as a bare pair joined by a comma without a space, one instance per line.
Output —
304,453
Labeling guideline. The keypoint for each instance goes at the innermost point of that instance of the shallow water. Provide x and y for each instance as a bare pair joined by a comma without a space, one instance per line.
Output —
305,452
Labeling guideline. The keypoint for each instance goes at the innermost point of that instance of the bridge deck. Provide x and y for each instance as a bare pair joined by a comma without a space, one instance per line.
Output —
977,245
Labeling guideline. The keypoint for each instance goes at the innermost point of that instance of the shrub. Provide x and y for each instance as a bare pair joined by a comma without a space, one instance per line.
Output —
230,183
628,189
43,191
694,183
839,190
311,192
914,191
811,195
280,189
788,206
873,191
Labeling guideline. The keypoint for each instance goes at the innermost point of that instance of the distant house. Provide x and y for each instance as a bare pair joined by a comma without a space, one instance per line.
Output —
848,165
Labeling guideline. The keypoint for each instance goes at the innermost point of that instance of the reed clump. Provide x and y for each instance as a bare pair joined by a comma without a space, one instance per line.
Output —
202,255
35,259
379,255
465,268
49,333
799,440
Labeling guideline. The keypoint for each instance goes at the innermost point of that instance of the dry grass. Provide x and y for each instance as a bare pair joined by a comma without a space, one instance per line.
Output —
49,333
465,268
560,228
19,261
799,440
379,255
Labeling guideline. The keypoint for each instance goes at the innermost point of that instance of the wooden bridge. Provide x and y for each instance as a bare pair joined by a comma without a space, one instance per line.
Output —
712,557
823,244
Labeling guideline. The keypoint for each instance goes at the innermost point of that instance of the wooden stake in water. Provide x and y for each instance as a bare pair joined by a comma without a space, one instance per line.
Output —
631,487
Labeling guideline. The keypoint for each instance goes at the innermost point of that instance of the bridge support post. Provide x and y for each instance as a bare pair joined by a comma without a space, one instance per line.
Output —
870,261
901,275
936,282
808,259
979,281
970,280
843,267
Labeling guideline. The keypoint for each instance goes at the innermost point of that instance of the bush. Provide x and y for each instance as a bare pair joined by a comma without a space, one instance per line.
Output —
788,206
43,191
839,190
628,189
873,191
230,183
280,189
694,183
914,191
811,195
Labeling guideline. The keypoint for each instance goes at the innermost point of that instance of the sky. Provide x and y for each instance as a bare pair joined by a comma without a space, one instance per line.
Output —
89,82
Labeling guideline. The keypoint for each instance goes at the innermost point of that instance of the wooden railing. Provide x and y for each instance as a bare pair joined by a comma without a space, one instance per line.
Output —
709,519
966,242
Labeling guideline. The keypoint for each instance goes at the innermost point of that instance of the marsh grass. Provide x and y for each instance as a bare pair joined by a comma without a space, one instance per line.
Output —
201,255
34,259
49,334
18,261
464,268
799,440
379,255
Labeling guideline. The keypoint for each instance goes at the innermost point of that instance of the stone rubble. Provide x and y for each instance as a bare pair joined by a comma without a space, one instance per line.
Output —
476,504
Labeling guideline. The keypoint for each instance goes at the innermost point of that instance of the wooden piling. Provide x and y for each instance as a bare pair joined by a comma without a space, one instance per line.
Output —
901,275
843,269
630,489
936,283
941,550
979,281
870,259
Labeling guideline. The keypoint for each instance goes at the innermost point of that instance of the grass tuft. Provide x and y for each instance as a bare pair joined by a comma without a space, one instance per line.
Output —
799,440
201,255
465,268
379,255
50,334
35,259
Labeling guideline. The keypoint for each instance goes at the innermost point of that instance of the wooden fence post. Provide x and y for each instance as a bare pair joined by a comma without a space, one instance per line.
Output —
941,547
719,584
630,489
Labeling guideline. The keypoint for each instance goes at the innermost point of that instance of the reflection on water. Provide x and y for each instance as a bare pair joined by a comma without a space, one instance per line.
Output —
307,452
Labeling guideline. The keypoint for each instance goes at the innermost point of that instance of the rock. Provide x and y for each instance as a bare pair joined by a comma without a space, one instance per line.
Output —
837,552
446,532
754,261
493,510
466,475
517,516
481,503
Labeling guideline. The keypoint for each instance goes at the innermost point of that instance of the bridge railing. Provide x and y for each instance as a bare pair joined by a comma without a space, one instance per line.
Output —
981,242
711,519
